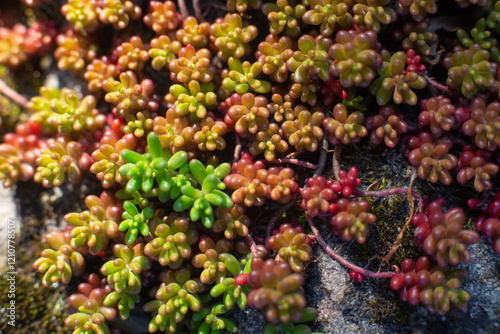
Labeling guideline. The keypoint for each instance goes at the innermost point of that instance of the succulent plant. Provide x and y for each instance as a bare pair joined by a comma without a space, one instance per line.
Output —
352,220
344,129
469,70
82,14
92,314
59,262
231,38
175,132
292,245
419,37
248,182
123,272
282,107
64,111
108,158
319,198
96,226
269,142
432,286
128,95
311,60
200,201
98,71
284,15
132,54
61,158
208,134
355,58
439,114
163,51
476,165
233,222
174,237
441,235
417,9
386,127
397,83
192,64
135,222
216,263
74,51
193,33
479,35
173,300
162,17
282,184
250,115
489,223
372,13
277,291
193,100
273,54
154,165
433,162
305,132
119,12
328,14
484,124
242,77
242,5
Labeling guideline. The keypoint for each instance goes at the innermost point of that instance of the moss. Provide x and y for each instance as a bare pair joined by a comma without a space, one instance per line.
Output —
38,309
10,113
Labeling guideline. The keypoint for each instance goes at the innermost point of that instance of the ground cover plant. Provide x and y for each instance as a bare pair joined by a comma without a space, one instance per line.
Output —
198,121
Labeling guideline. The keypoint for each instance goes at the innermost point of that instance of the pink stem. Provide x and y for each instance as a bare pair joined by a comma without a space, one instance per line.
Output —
197,10
237,149
183,8
387,192
438,85
13,95
253,246
336,161
322,157
297,162
343,261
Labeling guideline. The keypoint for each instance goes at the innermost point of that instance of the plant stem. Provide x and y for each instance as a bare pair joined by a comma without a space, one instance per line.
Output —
336,161
322,157
397,243
297,162
13,95
387,192
343,261
183,8
237,149
197,10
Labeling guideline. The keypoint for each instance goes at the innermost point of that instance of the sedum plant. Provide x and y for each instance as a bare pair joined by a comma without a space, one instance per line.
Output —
59,262
396,83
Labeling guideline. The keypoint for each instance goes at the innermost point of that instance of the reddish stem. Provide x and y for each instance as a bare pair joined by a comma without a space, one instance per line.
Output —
13,95
183,8
297,162
237,149
438,85
387,192
343,261
253,246
336,161
197,10
322,157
